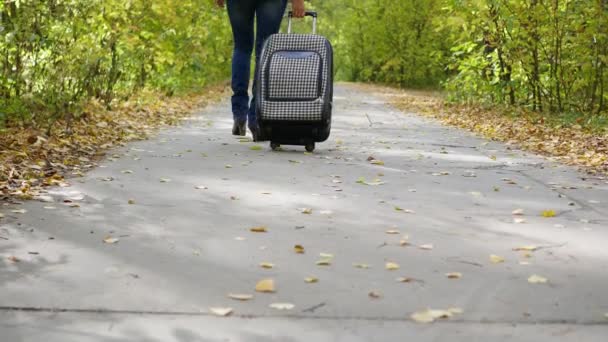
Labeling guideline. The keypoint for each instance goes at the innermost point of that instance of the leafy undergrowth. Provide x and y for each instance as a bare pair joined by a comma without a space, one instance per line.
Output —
585,147
30,160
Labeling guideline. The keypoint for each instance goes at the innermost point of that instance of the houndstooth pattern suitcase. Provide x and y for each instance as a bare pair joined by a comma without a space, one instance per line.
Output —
295,87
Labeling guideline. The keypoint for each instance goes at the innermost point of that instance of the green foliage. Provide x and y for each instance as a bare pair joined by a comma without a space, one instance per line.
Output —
56,54
545,55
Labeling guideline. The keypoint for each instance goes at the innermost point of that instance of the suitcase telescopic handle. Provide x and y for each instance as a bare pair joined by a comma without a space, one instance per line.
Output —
308,14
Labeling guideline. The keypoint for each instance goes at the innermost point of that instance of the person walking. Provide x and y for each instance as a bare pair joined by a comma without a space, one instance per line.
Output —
267,15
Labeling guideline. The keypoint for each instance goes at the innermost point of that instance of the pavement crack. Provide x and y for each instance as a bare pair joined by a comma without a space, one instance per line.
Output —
404,319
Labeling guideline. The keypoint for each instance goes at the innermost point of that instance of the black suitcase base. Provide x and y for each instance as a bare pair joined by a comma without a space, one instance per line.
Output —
285,133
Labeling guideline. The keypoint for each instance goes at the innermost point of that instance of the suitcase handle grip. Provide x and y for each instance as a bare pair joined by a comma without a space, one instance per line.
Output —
307,14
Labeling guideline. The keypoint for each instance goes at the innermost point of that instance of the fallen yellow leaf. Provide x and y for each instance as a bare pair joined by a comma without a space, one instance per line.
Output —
266,265
363,266
324,262
240,296
405,279
391,266
548,213
299,249
260,229
306,211
426,247
19,211
222,312
430,315
495,259
518,212
392,231
377,162
311,280
530,248
165,180
256,148
536,279
265,286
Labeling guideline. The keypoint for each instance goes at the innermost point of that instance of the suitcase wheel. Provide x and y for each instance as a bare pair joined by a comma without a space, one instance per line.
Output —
275,146
310,147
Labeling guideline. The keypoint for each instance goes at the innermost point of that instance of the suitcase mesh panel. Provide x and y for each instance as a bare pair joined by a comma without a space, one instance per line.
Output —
293,78
295,110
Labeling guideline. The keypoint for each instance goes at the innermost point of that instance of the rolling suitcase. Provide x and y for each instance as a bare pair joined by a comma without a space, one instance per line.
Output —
295,89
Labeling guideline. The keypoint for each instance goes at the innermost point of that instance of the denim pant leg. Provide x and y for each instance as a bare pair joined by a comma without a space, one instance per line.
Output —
269,14
241,13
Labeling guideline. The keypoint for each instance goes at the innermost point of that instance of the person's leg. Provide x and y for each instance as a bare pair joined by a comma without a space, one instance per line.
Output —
269,14
241,13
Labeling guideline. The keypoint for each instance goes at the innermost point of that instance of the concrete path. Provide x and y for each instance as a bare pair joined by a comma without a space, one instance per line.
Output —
181,250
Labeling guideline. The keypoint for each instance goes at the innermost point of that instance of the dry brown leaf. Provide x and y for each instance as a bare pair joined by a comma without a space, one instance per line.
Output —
265,286
374,295
536,279
530,248
260,229
454,275
391,266
222,312
240,296
13,258
266,265
110,240
282,306
311,280
299,249
495,259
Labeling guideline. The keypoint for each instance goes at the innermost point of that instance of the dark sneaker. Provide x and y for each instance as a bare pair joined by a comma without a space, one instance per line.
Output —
238,128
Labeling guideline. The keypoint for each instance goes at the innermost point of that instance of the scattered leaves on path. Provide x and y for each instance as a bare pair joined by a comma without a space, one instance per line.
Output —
282,306
260,229
240,296
265,286
222,312
536,279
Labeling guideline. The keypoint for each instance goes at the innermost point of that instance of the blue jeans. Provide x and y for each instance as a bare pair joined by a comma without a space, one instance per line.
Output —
268,15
